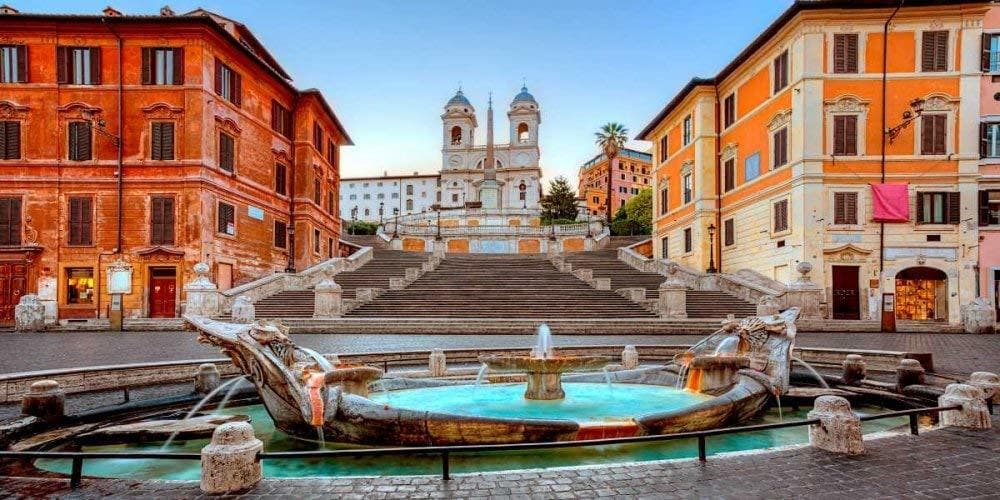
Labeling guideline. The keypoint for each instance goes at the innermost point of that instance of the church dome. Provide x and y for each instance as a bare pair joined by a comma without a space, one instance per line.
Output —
458,100
524,96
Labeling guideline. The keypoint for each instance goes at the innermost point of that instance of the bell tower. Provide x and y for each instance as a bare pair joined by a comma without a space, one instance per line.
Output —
458,131
525,117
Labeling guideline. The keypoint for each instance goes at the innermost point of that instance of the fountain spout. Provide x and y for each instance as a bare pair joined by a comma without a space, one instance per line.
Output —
543,345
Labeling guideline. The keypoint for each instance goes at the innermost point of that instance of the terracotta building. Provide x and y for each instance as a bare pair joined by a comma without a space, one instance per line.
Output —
783,150
154,142
630,174
989,166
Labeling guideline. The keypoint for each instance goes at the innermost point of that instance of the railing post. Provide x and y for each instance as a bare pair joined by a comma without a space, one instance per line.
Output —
445,466
914,428
701,449
76,473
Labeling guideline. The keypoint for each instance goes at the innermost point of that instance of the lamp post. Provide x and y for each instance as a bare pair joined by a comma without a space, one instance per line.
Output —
395,225
438,235
917,107
381,210
354,219
711,249
590,234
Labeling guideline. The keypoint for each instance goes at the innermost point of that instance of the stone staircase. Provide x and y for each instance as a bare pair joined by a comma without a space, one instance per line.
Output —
700,303
499,286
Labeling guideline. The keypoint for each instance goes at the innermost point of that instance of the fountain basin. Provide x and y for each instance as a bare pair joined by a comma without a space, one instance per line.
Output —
544,374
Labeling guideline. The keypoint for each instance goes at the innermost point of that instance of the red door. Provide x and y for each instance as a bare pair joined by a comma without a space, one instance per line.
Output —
162,297
846,296
13,283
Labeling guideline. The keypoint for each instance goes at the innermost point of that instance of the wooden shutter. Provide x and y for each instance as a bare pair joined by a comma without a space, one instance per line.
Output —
62,65
954,207
162,230
845,135
280,234
934,51
851,208
274,115
730,230
839,53
167,138
22,63
984,208
838,208
933,134
983,140
10,221
226,152
218,77
730,174
236,87
156,148
10,140
985,54
227,215
178,66
80,221
940,134
147,65
781,216
79,141
920,208
279,179
95,66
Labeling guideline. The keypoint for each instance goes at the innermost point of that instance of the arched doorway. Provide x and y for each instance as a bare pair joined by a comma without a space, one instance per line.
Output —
922,294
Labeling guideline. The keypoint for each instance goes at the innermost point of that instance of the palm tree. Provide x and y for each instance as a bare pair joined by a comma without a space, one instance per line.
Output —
611,139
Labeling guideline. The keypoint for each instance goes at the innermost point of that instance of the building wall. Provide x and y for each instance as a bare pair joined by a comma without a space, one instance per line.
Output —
989,171
593,180
390,190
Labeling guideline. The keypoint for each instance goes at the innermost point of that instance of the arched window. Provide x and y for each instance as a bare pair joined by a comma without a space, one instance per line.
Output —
522,133
456,135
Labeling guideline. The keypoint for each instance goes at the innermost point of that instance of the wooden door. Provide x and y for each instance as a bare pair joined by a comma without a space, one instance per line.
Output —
846,295
224,276
162,297
13,284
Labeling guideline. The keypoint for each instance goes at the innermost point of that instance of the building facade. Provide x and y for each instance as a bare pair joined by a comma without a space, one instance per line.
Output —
374,199
631,171
153,143
781,152
989,166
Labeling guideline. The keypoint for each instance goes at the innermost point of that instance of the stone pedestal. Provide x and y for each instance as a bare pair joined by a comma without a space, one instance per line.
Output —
839,430
440,248
768,305
987,382
909,372
229,464
44,400
29,314
364,295
979,316
437,364
329,301
207,378
244,310
396,283
396,244
586,275
412,273
202,294
805,294
673,299
544,386
601,283
634,294
974,413
630,357
854,369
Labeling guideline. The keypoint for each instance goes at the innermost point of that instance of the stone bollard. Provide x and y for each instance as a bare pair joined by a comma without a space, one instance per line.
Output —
412,273
45,400
839,430
207,378
29,314
601,283
437,364
244,310
973,414
229,464
989,383
328,300
768,306
630,357
396,283
364,295
909,372
585,275
854,369
427,266
673,299
979,316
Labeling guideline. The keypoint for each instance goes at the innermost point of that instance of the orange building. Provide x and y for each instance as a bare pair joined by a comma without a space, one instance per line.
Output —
630,174
778,150
154,142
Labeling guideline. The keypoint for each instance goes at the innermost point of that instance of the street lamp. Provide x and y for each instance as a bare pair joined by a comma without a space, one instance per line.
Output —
354,219
395,225
438,236
917,106
711,249
381,209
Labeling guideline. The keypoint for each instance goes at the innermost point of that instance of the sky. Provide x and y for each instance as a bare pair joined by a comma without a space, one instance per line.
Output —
388,66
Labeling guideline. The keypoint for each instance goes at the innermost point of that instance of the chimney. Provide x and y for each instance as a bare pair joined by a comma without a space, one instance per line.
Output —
7,9
166,11
111,12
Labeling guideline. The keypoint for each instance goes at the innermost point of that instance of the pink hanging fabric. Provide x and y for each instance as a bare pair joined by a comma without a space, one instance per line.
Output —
891,202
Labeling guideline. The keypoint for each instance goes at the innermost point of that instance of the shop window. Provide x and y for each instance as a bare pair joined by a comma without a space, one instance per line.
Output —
80,285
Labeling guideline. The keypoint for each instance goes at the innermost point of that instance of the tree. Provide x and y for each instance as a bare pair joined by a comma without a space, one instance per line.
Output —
560,202
636,216
611,139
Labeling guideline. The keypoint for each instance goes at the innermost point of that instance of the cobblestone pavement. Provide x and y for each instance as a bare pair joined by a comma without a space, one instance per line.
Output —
41,351
948,463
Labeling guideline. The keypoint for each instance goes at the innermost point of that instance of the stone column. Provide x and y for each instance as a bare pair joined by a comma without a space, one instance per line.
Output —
854,369
805,294
202,295
45,400
673,299
329,300
909,372
29,314
244,310
630,357
229,464
973,414
437,364
839,430
979,316
207,378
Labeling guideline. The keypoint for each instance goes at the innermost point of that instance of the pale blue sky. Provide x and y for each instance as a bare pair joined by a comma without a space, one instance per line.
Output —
388,66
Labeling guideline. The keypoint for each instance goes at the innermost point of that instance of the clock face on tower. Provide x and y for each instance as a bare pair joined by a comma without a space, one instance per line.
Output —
521,160
455,161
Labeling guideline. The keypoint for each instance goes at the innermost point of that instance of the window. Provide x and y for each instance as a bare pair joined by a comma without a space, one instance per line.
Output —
989,140
162,139
687,241
938,208
780,216
687,132
281,119
161,218
79,141
409,190
329,203
934,51
729,174
316,241
523,135
845,53
456,135
81,221
845,208
78,65
751,167
989,210
10,140
409,204
663,148
13,64
162,66
280,234
317,191
454,197
623,175
329,248
780,147
367,196
729,232
381,196
318,137
933,134
228,83
226,218
281,180
331,152
80,285
729,110
10,221
664,247
780,72
227,152
353,197
688,188
664,199
991,52
845,135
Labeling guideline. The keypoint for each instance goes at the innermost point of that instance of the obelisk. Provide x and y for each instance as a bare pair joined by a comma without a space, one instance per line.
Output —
489,190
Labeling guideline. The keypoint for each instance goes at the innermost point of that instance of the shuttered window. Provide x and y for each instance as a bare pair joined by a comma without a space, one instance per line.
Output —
845,208
688,244
989,208
780,72
688,188
226,219
78,65
10,221
729,174
316,241
780,146
317,191
281,119
989,140
79,141
664,200
227,152
280,234
280,179
663,148
161,231
845,135
688,130
162,66
13,64
10,140
228,83
781,216
939,208
331,152
933,134
934,51
81,221
991,53
162,147
845,53
318,137
664,247
729,110
729,232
